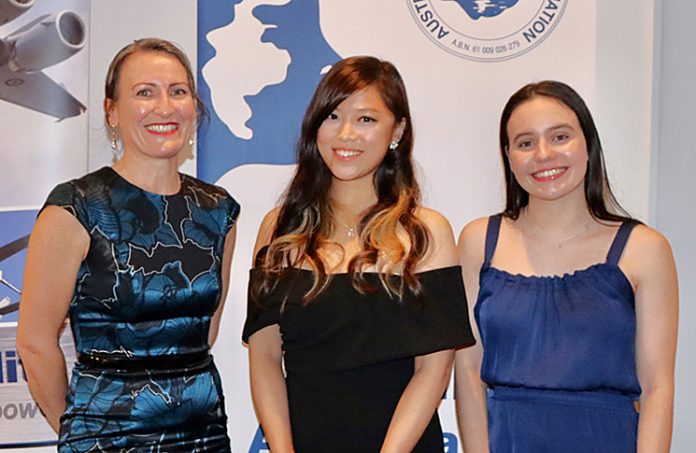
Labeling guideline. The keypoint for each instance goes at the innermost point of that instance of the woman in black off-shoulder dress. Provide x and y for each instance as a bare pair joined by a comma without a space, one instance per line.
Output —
355,290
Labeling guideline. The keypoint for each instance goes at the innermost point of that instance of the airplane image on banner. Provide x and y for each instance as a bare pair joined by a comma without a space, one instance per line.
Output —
6,251
43,42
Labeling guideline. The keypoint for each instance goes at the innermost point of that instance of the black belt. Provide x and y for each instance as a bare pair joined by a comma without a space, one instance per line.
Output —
193,360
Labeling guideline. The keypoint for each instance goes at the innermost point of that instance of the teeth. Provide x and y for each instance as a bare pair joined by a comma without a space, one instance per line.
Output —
161,127
347,153
547,173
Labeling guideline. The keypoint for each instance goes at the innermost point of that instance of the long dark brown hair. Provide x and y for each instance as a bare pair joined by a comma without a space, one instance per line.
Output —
305,220
601,202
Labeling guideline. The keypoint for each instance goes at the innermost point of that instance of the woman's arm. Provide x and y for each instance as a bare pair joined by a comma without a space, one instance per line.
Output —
649,263
419,401
470,391
432,372
268,388
228,251
57,246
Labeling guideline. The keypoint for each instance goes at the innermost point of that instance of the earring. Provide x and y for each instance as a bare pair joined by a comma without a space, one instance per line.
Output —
114,139
190,141
393,145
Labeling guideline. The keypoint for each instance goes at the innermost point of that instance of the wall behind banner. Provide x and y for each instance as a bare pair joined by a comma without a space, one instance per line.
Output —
272,52
674,206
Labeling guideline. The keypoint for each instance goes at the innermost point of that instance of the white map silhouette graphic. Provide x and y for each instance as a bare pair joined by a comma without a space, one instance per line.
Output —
260,64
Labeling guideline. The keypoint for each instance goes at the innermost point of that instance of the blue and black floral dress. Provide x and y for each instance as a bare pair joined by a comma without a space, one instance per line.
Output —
140,316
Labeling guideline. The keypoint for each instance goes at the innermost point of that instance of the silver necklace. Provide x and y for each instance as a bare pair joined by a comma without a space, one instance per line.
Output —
560,242
351,231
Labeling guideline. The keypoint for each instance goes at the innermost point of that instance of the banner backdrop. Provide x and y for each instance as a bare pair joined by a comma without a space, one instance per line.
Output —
43,92
259,62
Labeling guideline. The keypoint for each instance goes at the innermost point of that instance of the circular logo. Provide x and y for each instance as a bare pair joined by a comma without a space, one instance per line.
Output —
487,30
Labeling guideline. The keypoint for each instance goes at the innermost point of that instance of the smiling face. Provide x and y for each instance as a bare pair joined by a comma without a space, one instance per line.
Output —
155,112
547,151
355,137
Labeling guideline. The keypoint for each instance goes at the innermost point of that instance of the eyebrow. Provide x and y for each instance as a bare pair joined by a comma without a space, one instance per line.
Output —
361,109
150,84
551,129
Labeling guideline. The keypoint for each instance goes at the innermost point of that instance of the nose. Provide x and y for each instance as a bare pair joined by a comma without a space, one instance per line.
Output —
544,151
346,132
164,106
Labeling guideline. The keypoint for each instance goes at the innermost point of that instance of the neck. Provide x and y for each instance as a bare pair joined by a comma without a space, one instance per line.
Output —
153,175
558,217
352,197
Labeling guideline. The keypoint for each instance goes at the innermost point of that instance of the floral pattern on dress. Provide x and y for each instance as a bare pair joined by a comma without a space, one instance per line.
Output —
148,287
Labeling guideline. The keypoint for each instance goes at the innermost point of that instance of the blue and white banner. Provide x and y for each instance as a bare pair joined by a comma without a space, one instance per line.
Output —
259,62
44,61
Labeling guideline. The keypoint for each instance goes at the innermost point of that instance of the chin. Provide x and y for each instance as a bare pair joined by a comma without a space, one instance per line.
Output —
166,152
553,196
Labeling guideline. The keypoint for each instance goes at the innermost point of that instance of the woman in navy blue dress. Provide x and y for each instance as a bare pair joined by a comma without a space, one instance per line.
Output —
575,302
138,256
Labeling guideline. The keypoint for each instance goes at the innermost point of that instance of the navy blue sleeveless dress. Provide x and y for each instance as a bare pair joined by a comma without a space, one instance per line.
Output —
140,317
559,356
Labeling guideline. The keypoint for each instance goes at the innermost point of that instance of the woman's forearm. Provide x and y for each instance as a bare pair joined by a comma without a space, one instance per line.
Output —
472,418
47,379
655,422
418,402
270,397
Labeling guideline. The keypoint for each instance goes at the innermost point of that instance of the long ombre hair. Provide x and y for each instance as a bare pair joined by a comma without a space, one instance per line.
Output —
601,201
305,219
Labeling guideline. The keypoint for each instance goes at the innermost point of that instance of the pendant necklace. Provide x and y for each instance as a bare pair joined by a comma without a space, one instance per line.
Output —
351,231
560,242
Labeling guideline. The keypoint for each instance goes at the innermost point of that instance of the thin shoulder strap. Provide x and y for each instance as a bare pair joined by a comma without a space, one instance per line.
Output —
617,247
492,233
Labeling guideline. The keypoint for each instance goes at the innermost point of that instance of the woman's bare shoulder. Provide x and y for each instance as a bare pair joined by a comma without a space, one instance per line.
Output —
472,240
442,248
646,246
266,229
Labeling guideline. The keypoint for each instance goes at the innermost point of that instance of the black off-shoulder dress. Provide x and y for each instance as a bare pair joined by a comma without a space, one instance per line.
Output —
349,356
